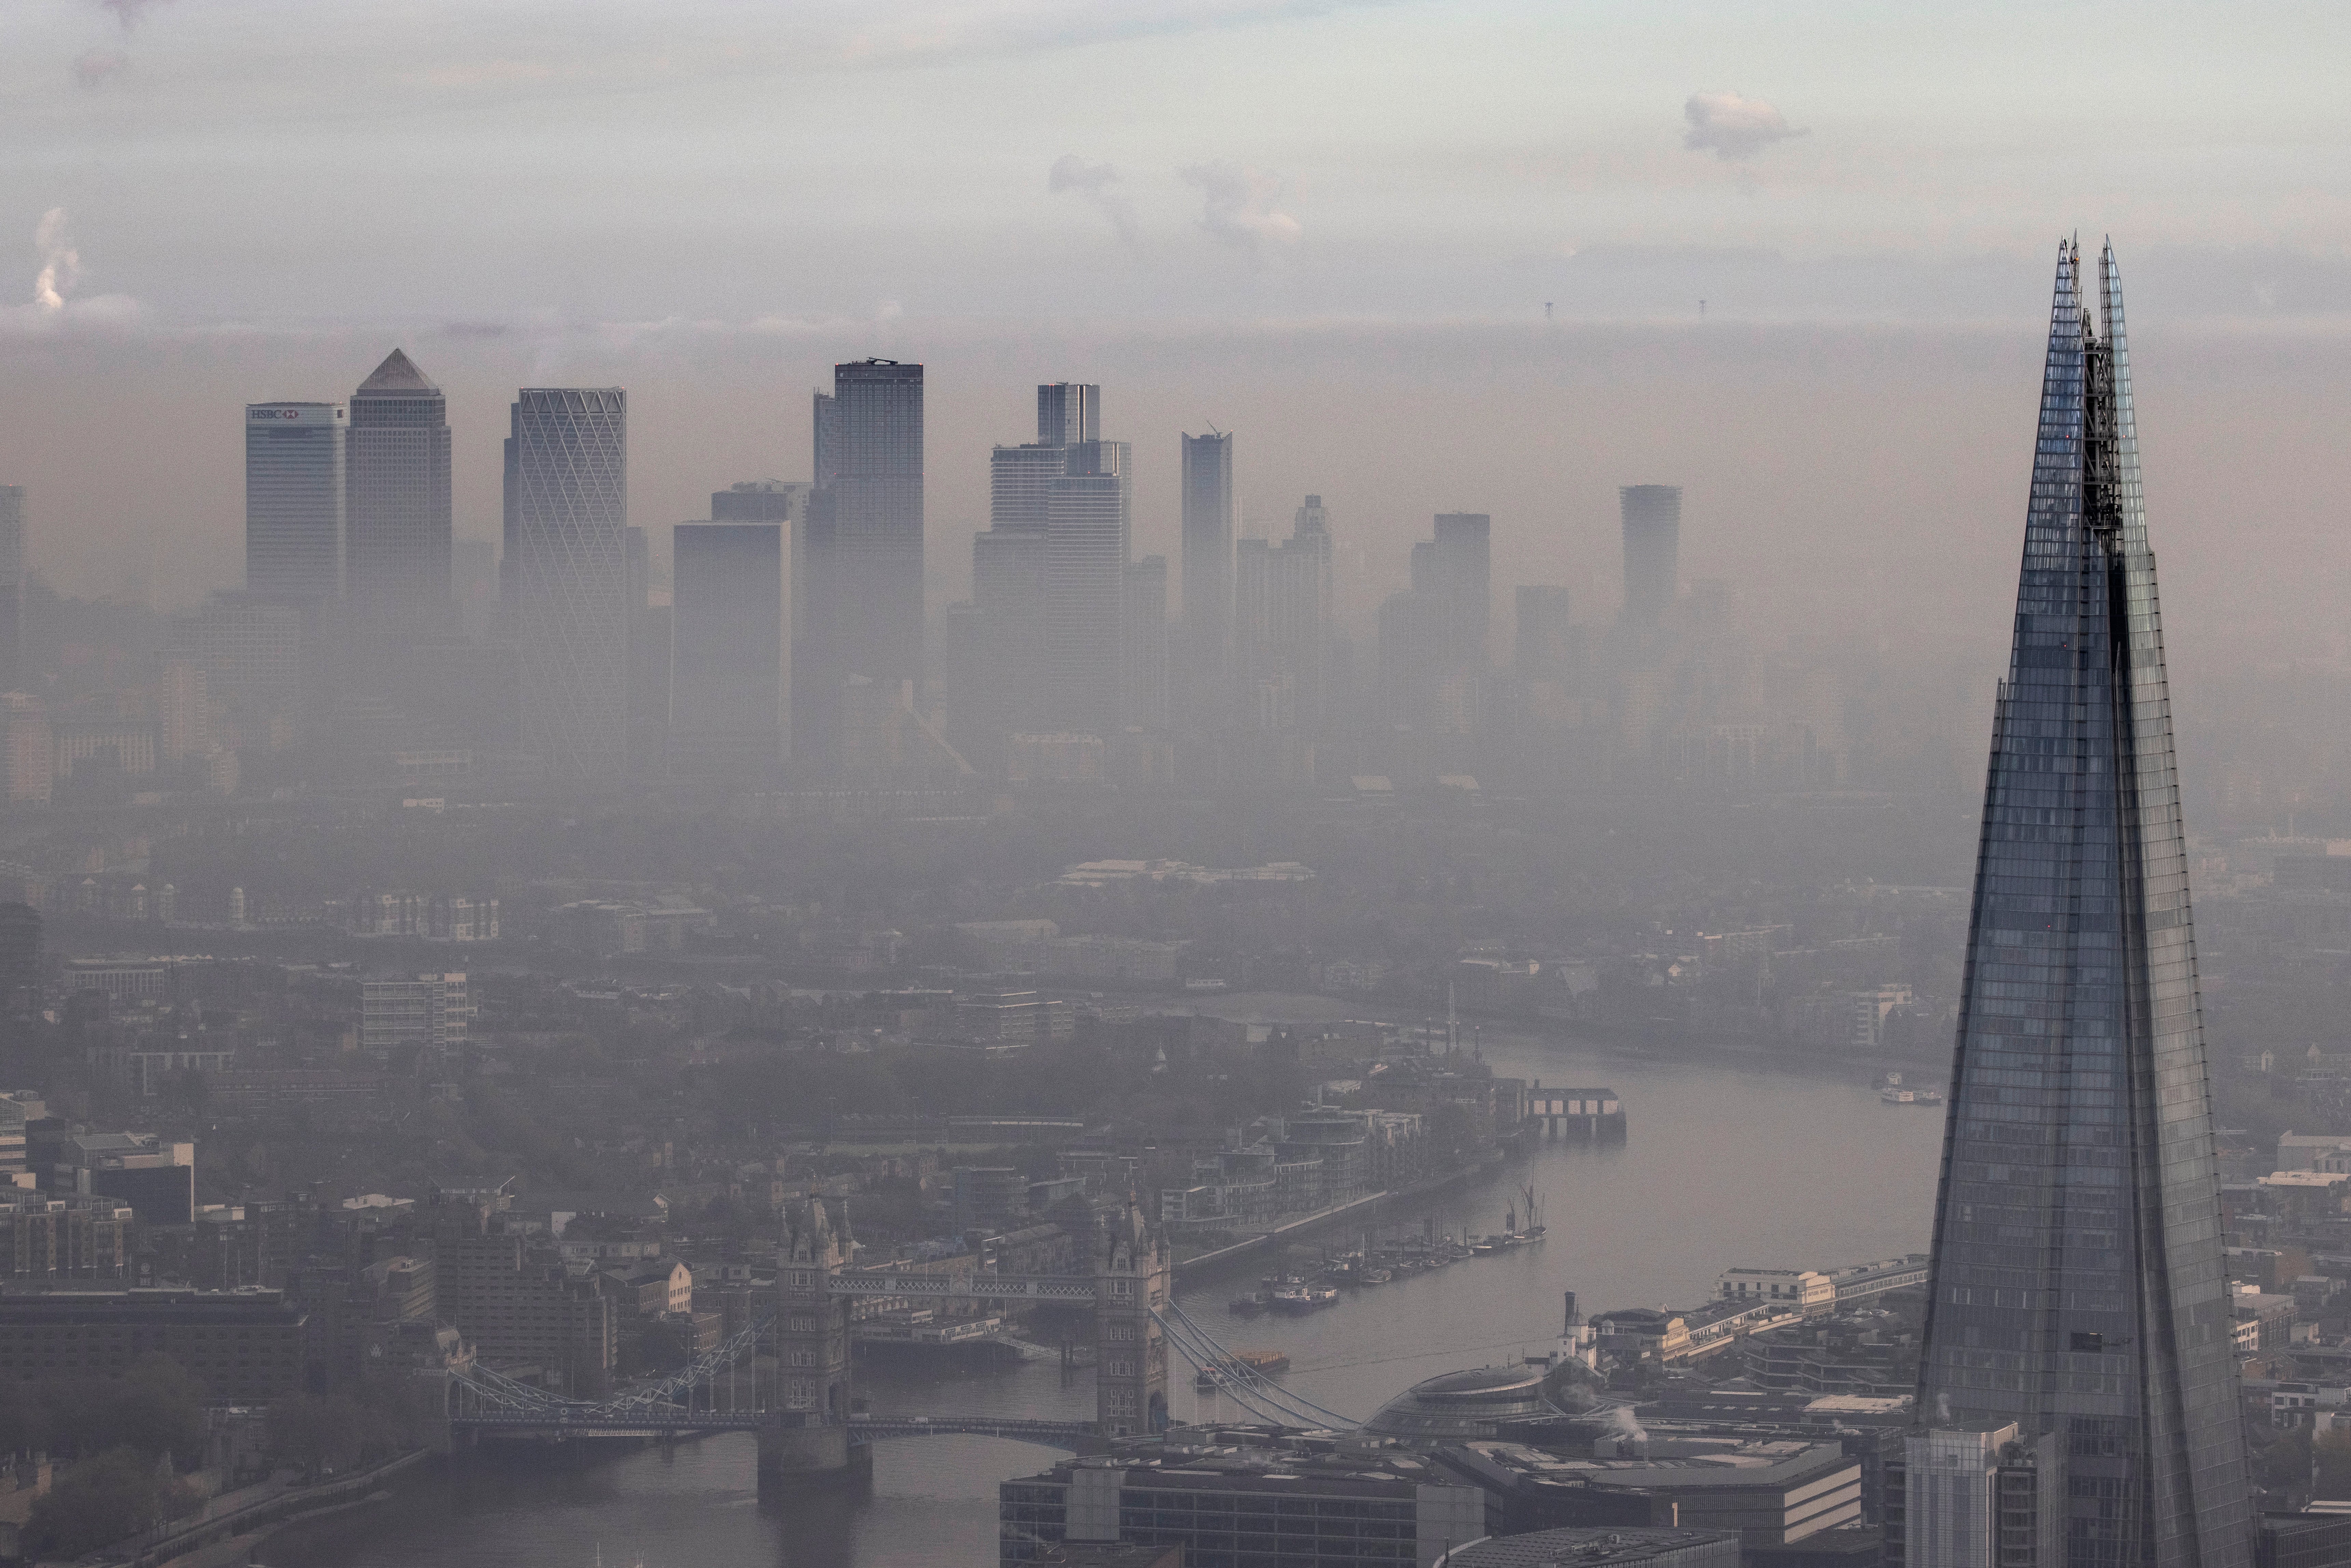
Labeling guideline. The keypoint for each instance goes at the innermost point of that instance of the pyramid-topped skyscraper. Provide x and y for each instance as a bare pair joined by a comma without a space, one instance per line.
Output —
2078,1336
399,506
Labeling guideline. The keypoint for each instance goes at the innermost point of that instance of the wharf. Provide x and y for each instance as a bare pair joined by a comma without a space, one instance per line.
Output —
1209,1262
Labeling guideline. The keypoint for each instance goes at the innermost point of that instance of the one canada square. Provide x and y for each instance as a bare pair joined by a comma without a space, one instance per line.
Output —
2079,1326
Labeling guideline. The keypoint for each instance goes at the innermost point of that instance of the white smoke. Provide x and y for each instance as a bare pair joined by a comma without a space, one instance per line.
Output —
1627,1426
1096,184
1731,126
1238,206
60,263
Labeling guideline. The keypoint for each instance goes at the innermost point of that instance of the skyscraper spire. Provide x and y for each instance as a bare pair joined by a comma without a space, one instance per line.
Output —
2078,1292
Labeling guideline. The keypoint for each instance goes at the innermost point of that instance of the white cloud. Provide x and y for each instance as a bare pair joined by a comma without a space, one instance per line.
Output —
1731,126
1096,184
1238,206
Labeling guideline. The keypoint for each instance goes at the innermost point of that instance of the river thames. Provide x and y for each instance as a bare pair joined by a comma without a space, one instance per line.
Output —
1727,1162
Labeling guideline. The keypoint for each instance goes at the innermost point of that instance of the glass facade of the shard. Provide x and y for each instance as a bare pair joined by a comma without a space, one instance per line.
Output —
2078,1285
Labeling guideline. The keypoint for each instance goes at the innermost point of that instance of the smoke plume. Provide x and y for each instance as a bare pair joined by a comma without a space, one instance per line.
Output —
60,263
1731,126
1238,206
1096,184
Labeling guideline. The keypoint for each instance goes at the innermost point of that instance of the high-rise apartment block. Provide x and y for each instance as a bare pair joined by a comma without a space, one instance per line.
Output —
1652,517
726,694
567,478
1209,510
2078,1289
294,483
398,503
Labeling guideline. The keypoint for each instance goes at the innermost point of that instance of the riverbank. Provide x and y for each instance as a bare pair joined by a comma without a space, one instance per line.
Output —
1208,1264
199,1539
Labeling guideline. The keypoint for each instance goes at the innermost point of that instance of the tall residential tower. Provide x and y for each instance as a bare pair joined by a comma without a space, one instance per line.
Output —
2078,1291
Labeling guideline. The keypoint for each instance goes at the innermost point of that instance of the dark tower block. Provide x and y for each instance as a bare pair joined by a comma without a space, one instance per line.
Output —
2077,1285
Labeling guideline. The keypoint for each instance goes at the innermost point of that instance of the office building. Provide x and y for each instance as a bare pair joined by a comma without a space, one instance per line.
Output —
16,562
1010,633
431,1011
1977,1495
2077,1284
568,498
20,968
1459,569
397,504
1652,516
244,1346
1088,524
295,486
1233,1508
1282,631
251,649
1209,510
857,651
785,503
45,1238
1068,413
727,642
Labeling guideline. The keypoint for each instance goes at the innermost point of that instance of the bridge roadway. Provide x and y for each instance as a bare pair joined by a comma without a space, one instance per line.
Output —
1075,1290
595,1422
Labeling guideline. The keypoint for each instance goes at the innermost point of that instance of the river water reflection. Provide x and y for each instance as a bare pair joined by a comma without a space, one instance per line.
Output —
1724,1165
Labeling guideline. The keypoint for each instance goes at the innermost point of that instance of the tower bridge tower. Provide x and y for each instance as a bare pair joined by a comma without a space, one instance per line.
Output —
809,1435
1131,1270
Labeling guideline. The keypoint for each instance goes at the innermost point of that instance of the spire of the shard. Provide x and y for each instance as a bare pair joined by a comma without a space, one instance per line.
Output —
2078,1333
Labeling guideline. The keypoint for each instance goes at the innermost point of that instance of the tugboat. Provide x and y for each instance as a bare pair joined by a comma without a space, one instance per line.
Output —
1247,1306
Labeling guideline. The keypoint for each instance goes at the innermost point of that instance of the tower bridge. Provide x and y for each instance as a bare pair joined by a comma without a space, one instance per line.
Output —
803,1409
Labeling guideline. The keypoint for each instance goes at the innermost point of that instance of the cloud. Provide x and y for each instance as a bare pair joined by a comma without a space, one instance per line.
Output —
92,67
1096,184
1238,206
1732,127
60,263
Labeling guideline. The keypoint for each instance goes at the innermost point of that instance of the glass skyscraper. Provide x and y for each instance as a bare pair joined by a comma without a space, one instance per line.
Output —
294,454
398,502
568,510
1207,565
1652,516
2077,1287
726,700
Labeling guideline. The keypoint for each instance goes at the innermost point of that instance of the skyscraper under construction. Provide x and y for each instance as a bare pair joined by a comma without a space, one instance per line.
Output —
2078,1333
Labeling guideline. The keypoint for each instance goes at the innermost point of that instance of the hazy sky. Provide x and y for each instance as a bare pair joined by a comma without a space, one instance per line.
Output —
1333,227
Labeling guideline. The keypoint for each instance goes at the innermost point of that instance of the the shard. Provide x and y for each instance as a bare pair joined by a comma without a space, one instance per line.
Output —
2078,1291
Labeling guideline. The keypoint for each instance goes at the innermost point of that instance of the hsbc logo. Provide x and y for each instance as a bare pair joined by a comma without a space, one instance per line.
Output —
273,414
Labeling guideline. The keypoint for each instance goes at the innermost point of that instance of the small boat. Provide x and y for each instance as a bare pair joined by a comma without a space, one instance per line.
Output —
1911,1096
1297,1301
1248,1305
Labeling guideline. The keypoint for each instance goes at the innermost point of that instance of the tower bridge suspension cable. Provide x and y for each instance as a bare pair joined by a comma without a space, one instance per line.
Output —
1245,1383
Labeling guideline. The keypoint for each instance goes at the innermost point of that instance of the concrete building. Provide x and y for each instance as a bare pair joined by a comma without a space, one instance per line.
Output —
45,1238
244,1346
566,463
1609,1547
433,1011
1977,1495
295,481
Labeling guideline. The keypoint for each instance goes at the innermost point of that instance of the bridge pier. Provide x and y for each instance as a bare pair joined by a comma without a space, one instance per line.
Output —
800,1456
